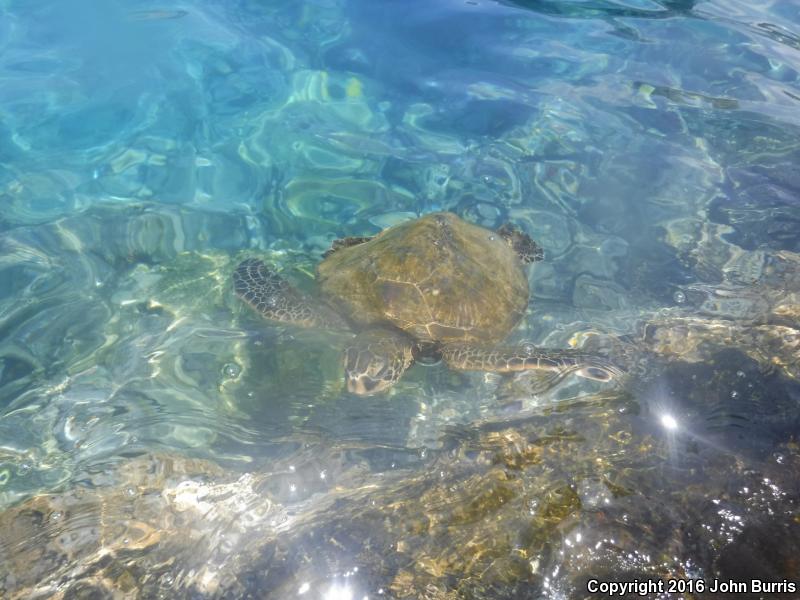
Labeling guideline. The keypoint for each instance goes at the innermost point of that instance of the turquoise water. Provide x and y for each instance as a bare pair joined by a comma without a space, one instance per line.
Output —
159,440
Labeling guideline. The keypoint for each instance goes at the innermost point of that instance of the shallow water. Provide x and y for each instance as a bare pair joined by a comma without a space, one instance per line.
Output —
158,439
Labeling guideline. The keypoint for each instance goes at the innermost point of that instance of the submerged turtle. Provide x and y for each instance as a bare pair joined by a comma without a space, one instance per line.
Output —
435,286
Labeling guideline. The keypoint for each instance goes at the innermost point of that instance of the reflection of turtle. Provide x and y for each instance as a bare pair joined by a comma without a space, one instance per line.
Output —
437,285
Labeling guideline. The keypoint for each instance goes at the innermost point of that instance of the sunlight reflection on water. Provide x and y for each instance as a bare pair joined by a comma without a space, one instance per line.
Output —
160,439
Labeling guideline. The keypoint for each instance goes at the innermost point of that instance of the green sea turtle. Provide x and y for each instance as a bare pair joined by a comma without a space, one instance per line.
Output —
435,286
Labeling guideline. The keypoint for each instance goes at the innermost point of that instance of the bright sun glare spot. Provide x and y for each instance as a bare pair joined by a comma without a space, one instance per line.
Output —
339,592
304,588
669,422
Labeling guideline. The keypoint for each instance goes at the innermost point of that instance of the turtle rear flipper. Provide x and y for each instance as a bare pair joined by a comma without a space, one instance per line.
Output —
376,359
527,250
276,299
508,359
346,242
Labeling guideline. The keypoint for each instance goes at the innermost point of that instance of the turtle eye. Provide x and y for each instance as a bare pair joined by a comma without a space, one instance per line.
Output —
361,385
369,384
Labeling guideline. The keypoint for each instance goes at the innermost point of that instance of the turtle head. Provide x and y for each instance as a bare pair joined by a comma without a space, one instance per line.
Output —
375,361
368,373
527,250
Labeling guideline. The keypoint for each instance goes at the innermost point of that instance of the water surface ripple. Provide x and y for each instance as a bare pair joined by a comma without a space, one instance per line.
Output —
159,440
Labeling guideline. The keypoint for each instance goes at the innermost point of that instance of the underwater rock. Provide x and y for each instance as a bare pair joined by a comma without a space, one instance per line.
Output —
161,515
501,508
758,317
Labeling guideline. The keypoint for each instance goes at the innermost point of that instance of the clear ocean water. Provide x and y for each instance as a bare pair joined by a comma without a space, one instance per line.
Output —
160,440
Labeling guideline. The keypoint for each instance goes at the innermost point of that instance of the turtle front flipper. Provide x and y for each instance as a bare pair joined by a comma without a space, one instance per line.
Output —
376,359
507,359
274,298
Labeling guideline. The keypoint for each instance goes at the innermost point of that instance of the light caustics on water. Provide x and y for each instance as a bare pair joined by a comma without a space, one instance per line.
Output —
159,440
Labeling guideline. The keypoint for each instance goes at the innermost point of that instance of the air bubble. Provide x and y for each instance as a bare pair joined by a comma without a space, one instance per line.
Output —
679,297
231,370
